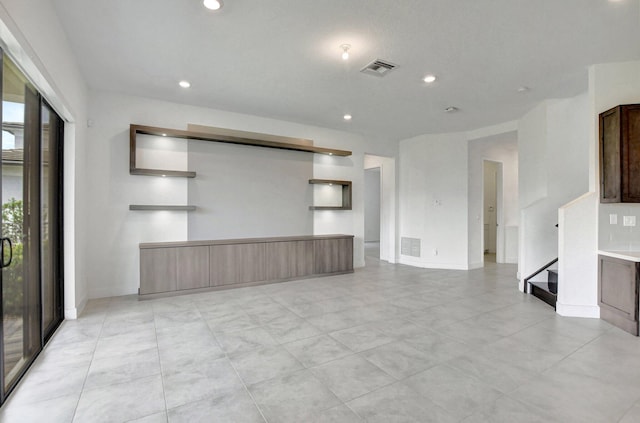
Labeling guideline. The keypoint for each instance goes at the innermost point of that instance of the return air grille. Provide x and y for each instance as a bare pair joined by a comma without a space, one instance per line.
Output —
378,67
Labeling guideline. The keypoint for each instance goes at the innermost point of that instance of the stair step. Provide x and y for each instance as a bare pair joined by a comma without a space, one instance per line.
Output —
552,280
545,292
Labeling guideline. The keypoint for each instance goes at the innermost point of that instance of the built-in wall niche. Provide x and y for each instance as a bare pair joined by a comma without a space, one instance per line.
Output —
239,179
330,194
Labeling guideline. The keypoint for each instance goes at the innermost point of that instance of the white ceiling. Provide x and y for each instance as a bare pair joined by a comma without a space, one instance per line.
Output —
281,58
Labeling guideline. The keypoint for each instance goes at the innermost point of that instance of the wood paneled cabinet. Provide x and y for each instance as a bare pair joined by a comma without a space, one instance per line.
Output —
620,154
618,284
175,267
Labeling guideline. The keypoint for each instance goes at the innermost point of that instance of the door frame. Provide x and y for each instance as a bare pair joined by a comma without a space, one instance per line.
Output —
500,234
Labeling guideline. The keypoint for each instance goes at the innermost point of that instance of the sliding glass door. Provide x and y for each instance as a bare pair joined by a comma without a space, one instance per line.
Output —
30,225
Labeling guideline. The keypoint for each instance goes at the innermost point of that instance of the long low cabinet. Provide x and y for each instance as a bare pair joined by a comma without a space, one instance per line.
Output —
179,267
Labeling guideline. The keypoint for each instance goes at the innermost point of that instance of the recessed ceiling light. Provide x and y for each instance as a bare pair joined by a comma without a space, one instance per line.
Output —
212,4
523,89
451,109
347,117
429,79
164,135
345,51
184,84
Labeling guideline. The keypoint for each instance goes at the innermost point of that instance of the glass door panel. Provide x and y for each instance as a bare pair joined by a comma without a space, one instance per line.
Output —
50,218
20,299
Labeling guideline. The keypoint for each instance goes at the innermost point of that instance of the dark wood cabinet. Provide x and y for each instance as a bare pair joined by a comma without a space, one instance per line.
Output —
620,154
618,283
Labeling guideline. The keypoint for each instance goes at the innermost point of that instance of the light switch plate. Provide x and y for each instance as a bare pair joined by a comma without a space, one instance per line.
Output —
613,219
629,221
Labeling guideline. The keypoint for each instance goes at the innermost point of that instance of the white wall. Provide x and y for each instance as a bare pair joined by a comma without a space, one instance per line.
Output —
553,145
502,148
433,199
115,231
577,265
33,37
249,192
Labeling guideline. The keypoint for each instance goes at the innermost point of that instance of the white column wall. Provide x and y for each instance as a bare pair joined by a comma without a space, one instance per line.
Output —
35,40
553,156
433,199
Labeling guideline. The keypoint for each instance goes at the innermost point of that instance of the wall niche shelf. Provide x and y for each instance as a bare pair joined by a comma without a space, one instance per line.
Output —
226,136
149,207
346,194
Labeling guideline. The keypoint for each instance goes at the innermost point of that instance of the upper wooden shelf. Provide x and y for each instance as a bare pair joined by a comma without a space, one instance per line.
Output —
225,137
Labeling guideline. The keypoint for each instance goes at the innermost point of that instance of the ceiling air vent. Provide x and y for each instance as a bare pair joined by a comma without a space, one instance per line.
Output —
378,67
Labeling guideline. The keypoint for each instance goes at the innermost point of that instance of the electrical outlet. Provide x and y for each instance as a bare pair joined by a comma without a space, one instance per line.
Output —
629,221
435,251
613,219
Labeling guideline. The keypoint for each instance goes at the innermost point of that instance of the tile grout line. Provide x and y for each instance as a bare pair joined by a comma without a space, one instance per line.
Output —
75,410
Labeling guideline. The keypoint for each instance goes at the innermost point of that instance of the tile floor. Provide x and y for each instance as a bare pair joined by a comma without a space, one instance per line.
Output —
389,343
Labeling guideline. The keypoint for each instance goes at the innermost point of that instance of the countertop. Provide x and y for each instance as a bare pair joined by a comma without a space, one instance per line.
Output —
241,241
623,255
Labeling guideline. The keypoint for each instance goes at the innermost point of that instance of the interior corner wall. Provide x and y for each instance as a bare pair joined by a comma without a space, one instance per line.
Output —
502,148
433,181
115,232
34,38
553,145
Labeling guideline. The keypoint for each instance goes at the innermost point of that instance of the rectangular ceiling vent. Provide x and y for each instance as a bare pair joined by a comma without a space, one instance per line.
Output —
378,67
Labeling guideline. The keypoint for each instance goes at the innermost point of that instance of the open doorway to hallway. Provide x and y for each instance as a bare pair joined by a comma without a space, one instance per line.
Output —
493,250
380,207
372,212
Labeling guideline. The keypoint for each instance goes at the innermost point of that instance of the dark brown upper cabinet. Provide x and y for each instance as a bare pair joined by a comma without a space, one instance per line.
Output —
620,154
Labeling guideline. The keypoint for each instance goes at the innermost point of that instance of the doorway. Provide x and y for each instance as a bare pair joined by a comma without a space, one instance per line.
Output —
493,251
372,212
31,275
380,207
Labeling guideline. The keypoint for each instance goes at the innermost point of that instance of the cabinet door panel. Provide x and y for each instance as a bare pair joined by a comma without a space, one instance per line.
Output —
618,286
157,270
192,266
631,154
289,259
333,255
237,263
610,156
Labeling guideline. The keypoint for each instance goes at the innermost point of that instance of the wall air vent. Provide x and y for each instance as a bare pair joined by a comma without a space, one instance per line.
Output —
378,67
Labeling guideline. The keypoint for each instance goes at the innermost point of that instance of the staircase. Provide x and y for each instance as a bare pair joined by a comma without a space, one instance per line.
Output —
544,285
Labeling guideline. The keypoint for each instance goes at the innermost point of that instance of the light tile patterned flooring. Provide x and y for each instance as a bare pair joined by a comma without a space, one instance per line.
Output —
389,343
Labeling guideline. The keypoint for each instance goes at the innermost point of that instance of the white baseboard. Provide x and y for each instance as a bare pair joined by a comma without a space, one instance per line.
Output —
72,313
446,266
570,310
478,265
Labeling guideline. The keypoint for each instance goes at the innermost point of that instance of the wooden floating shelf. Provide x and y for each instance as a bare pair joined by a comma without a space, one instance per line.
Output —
148,207
346,194
160,172
239,139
